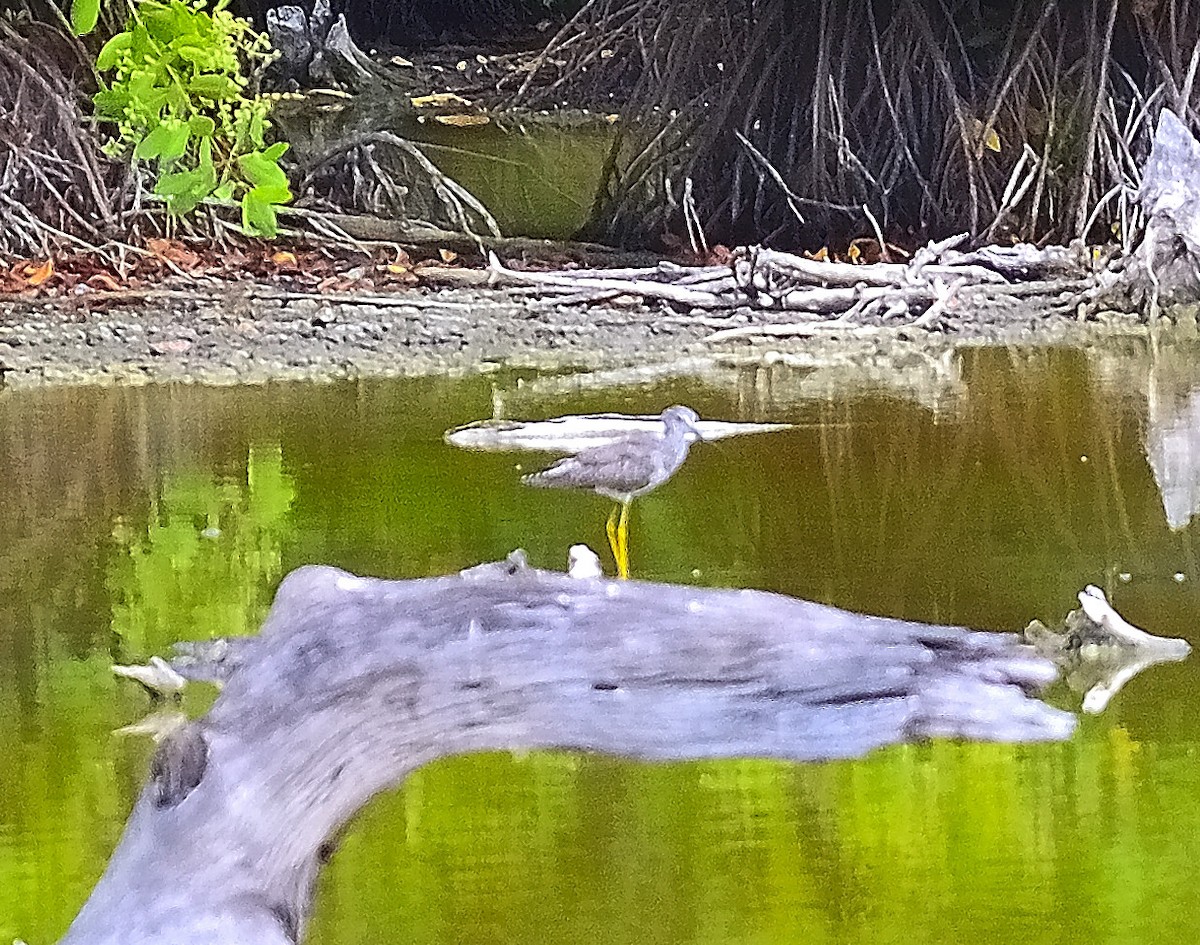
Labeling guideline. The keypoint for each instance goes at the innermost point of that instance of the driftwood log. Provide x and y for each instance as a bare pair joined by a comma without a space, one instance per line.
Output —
1099,651
354,683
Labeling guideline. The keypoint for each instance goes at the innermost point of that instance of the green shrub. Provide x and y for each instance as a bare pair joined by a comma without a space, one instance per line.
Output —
180,99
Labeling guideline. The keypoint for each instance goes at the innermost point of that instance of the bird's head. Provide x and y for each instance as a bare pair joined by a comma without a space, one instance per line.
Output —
682,420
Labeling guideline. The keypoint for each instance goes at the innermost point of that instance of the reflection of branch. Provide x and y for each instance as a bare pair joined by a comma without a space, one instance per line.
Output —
1100,651
354,683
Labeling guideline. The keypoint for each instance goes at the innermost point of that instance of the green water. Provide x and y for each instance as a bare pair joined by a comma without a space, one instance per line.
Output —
988,495
538,175
538,182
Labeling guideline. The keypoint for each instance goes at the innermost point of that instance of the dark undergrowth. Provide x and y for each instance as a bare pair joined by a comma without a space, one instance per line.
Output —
781,120
792,122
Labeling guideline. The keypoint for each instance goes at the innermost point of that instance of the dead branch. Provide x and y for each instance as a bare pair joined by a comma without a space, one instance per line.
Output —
916,294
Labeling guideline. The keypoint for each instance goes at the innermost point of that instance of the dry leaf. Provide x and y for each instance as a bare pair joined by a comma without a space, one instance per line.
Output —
284,258
103,282
987,136
173,251
448,255
400,61
462,121
36,275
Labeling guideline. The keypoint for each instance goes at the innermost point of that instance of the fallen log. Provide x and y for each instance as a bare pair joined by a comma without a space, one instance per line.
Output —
770,284
354,683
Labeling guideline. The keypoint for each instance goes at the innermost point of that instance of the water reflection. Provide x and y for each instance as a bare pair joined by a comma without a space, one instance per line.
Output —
1172,391
1028,483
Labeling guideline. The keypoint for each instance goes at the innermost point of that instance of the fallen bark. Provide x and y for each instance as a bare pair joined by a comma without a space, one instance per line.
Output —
354,683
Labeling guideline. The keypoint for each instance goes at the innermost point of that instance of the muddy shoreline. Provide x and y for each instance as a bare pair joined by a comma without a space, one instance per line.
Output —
248,335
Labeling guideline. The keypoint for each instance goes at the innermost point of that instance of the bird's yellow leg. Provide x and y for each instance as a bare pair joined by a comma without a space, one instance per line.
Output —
613,540
623,542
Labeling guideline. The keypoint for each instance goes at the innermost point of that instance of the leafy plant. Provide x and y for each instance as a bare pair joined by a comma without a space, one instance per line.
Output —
180,99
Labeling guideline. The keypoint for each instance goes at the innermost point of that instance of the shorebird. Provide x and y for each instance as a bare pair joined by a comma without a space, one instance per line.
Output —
624,469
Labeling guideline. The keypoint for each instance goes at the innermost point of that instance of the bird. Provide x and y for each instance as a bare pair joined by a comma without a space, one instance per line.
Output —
630,466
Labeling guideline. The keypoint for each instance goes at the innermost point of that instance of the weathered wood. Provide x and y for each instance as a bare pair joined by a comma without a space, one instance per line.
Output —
1166,264
912,294
317,47
354,683
576,432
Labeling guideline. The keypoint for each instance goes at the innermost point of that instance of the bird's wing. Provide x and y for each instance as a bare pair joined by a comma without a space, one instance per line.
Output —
619,468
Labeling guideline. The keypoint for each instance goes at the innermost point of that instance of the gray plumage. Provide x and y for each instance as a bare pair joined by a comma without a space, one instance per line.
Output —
630,466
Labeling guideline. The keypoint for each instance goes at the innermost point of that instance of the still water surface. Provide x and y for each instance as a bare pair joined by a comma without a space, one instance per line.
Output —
987,493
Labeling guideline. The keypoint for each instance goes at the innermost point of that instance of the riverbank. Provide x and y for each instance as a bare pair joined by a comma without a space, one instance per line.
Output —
254,334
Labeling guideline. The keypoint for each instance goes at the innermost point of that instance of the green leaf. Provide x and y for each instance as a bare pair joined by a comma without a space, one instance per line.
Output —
275,193
110,52
183,190
167,142
257,128
190,52
152,145
164,23
142,45
258,214
225,191
141,83
202,126
176,143
262,171
84,14
110,103
206,161
215,87
276,151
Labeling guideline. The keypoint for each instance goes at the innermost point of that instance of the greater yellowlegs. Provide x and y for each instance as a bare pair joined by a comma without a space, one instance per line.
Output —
625,468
